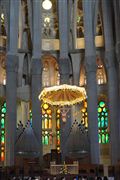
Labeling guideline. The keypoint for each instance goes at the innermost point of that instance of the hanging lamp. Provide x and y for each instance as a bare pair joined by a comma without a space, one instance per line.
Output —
47,4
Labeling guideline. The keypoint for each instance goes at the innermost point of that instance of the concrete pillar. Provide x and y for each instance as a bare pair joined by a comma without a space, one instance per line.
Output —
74,28
63,60
117,42
64,66
36,105
37,75
112,80
76,61
90,65
92,111
11,118
11,83
20,25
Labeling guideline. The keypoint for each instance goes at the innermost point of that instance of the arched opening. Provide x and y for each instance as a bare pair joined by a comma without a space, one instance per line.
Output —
101,75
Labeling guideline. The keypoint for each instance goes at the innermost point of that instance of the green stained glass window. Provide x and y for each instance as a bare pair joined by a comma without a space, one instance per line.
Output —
46,140
103,122
101,104
47,123
2,132
2,139
103,138
99,138
106,114
3,110
107,138
43,142
2,126
4,104
104,109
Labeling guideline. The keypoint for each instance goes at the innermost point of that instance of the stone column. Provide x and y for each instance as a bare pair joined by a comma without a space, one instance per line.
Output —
92,111
76,61
37,75
11,83
117,43
90,64
11,117
63,60
36,105
75,24
20,25
110,59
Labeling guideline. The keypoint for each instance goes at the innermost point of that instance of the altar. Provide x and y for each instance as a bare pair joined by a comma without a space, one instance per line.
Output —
64,168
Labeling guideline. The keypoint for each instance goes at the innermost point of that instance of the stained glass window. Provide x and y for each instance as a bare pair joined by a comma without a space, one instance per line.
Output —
84,120
103,122
46,124
58,129
2,128
30,114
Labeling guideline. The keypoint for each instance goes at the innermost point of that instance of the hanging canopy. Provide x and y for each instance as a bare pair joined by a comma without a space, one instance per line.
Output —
63,95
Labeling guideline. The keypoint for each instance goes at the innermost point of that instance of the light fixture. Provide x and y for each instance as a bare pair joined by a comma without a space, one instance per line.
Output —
63,95
47,4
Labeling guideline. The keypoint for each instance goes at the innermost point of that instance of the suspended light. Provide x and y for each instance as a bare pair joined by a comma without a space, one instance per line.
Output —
63,95
47,4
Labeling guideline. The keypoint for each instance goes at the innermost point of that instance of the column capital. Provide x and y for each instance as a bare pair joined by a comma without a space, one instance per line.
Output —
36,66
12,62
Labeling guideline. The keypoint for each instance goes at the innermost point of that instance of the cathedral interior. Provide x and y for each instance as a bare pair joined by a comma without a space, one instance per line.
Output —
51,44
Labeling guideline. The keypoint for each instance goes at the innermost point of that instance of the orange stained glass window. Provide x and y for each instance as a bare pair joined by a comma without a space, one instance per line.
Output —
50,123
2,156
